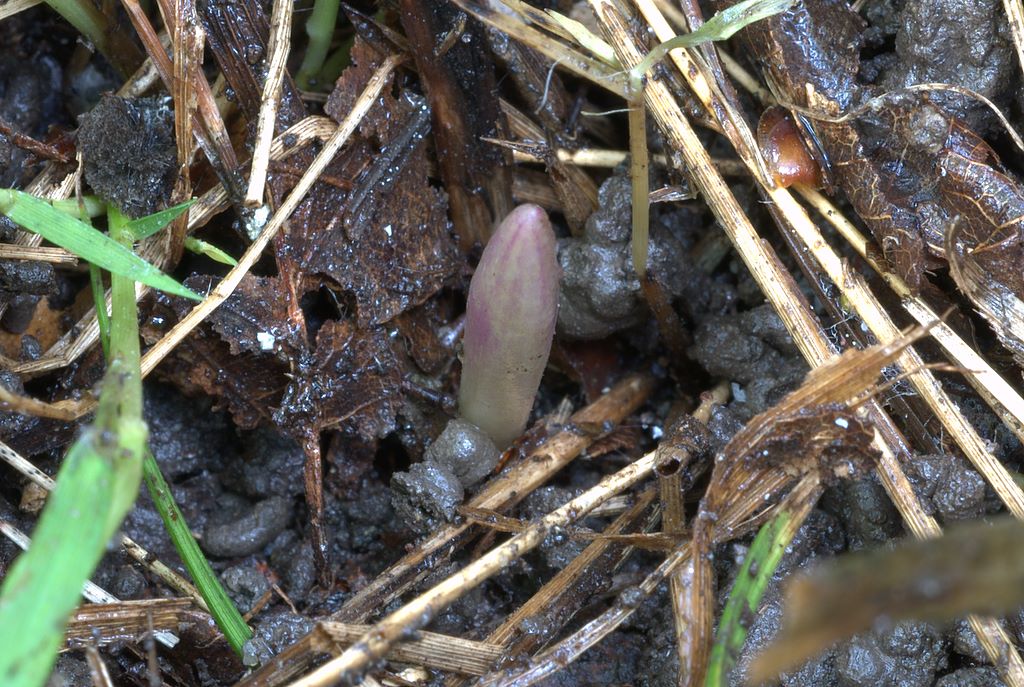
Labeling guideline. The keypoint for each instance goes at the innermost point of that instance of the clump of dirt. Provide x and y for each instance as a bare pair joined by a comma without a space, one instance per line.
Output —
753,350
601,293
908,653
129,152
928,28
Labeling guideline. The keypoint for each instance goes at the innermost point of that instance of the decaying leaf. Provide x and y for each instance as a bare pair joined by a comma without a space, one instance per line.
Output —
975,568
352,383
387,241
249,385
985,246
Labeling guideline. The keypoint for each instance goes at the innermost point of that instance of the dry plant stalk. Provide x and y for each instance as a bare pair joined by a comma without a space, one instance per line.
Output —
509,633
123,620
51,254
429,649
1001,397
782,293
799,503
278,48
355,661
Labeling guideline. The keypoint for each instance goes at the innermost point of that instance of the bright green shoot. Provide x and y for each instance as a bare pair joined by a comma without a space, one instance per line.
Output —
99,479
745,597
320,29
96,486
68,232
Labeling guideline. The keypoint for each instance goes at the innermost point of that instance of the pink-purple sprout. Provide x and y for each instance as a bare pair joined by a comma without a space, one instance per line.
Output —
510,322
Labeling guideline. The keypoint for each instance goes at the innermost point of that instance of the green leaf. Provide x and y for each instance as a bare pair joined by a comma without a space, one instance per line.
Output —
96,485
719,28
209,250
40,217
758,567
228,619
145,227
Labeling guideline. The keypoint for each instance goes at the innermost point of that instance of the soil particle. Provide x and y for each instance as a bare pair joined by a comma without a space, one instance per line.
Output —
370,511
29,97
820,671
267,467
965,642
277,630
954,489
245,585
129,152
294,563
883,20
601,294
28,276
465,450
723,425
753,350
426,496
129,583
865,511
908,654
477,611
14,424
186,436
71,670
965,44
821,536
241,531
31,349
981,676
998,437
18,316
557,548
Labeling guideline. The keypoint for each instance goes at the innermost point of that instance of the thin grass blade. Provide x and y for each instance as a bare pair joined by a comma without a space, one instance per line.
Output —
745,597
144,227
90,244
227,617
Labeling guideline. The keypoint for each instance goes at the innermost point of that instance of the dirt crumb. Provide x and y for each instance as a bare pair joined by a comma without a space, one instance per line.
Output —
600,292
426,496
906,655
752,350
954,489
465,450
245,585
129,152
980,676
964,44
244,530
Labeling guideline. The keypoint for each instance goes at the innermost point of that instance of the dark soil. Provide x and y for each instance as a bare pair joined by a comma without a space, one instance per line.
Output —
362,298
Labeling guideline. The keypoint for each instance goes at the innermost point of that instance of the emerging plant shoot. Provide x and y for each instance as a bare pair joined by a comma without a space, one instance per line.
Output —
510,322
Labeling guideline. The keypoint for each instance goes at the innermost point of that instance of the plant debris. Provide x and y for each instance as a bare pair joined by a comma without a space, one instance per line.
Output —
304,415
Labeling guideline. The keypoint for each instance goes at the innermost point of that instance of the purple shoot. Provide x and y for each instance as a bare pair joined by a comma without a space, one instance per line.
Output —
510,322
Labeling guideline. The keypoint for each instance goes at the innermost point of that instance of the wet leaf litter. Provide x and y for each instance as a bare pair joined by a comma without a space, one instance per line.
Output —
307,425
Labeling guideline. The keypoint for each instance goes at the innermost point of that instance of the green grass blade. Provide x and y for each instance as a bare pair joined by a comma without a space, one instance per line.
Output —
211,251
40,217
100,302
144,227
228,619
96,485
719,28
758,567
